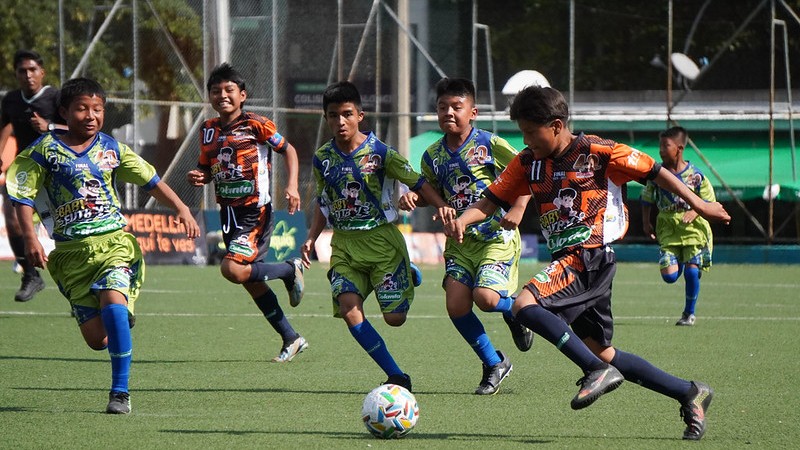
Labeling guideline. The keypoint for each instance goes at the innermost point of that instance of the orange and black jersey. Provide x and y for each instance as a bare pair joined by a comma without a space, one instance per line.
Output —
578,195
239,158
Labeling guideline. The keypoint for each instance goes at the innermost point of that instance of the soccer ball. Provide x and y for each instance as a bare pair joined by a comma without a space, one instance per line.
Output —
390,411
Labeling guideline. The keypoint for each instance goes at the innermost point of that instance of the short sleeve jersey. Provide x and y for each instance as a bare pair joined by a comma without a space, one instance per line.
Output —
461,175
80,192
670,228
18,110
355,191
578,195
239,157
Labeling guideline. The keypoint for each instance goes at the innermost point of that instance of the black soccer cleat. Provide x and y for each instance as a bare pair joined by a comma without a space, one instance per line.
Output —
118,403
494,375
596,383
522,335
31,284
693,411
403,380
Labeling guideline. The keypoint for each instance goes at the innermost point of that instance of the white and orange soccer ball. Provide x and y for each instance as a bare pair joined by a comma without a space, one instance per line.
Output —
390,411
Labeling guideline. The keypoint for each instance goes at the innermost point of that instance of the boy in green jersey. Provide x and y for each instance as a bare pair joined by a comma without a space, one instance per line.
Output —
68,177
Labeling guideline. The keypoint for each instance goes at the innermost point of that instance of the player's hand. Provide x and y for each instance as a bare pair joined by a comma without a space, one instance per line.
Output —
455,230
34,252
198,177
716,212
292,199
689,216
408,201
305,252
446,214
39,123
648,231
512,219
187,219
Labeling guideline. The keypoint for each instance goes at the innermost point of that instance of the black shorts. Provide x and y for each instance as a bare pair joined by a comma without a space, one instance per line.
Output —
577,287
246,231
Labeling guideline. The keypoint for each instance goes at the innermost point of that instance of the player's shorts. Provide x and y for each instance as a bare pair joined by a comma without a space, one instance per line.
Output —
699,255
493,265
577,287
246,231
83,267
374,260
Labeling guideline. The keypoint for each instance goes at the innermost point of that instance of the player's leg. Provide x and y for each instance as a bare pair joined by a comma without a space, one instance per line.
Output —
32,282
691,274
669,265
114,316
267,302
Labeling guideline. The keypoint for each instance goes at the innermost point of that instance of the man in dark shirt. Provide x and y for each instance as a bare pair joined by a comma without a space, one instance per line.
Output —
27,112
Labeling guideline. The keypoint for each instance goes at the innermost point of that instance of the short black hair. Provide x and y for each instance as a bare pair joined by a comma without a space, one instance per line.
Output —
77,87
539,105
22,55
341,92
225,72
460,87
677,133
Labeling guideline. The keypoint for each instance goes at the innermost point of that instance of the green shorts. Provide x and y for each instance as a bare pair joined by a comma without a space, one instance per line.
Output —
492,265
374,260
83,267
699,255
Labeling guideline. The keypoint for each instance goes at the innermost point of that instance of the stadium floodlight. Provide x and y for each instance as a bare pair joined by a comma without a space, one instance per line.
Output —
523,79
685,66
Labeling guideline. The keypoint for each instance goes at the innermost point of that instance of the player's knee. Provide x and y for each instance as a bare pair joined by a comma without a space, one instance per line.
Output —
233,274
97,344
485,299
670,277
395,319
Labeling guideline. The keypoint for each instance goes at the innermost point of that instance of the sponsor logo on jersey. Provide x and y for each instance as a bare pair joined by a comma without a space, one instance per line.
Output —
568,238
236,189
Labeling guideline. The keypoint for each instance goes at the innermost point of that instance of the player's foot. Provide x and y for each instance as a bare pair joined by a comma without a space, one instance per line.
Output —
416,275
31,284
118,403
296,287
523,337
693,411
686,320
596,383
494,375
290,351
403,380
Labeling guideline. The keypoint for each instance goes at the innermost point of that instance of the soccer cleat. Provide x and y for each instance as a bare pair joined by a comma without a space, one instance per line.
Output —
118,403
402,379
686,320
494,375
523,337
693,411
296,287
596,383
290,351
416,275
31,284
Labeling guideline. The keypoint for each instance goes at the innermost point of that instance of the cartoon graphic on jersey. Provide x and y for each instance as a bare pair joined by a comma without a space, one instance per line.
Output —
463,196
90,192
565,202
388,283
106,159
477,156
586,165
226,169
563,225
350,207
370,163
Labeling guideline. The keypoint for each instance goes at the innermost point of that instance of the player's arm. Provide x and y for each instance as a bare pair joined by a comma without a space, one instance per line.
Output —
317,226
166,196
513,217
709,210
445,212
198,177
34,251
647,224
292,165
478,212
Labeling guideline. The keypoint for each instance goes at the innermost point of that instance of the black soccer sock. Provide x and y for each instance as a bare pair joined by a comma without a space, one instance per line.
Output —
261,271
638,370
554,329
17,244
268,304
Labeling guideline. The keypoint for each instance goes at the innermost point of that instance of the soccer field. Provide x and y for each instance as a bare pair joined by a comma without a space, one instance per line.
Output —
201,376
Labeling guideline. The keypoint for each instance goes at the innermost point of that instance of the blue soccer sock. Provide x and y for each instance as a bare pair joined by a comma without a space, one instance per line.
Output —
692,277
636,369
472,331
504,306
261,271
554,329
372,342
268,304
673,277
120,344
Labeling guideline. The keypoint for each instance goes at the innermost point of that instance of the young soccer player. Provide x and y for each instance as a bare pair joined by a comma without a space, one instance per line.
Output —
684,238
236,153
575,288
28,112
482,269
356,177
97,266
